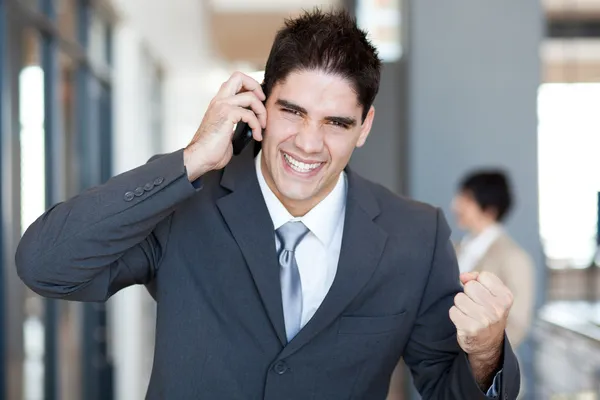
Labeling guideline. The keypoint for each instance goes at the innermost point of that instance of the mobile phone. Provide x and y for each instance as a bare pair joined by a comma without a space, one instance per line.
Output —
242,136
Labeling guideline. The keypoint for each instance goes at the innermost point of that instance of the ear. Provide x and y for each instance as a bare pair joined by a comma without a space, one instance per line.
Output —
365,129
491,213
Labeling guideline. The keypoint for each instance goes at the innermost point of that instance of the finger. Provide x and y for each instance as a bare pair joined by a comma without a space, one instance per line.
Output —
250,118
468,276
459,319
249,99
479,293
469,307
238,82
492,283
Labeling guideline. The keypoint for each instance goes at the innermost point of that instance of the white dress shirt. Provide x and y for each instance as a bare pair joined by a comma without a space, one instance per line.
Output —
473,248
318,253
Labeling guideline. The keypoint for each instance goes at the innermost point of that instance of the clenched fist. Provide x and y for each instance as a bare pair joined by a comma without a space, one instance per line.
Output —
239,99
480,314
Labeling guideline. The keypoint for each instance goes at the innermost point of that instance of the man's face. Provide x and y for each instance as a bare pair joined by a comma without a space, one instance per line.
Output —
313,126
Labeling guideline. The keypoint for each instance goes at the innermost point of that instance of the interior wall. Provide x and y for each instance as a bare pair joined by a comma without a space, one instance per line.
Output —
382,158
473,74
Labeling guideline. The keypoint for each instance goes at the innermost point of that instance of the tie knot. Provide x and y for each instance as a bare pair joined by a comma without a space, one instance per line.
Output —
290,234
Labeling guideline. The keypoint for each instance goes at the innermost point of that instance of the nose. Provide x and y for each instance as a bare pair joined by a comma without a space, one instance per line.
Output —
309,139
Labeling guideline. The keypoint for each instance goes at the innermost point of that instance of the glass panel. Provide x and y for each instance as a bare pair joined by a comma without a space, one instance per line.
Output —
68,71
34,4
568,143
66,15
382,20
31,119
69,339
98,44
69,313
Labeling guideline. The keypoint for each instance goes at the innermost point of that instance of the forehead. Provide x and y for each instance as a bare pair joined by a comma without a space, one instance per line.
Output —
466,196
319,92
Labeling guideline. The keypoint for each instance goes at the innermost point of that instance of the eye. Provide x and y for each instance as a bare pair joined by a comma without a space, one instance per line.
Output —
290,111
339,124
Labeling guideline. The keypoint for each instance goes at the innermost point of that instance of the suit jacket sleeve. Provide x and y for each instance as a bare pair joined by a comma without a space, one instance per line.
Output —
106,238
439,367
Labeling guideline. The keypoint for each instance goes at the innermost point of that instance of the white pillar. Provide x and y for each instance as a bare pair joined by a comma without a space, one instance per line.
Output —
132,316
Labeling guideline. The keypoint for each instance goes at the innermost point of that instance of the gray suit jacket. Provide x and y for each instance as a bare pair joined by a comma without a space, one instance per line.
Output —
207,255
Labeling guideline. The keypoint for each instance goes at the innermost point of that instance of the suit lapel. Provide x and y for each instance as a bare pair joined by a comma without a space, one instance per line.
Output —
362,246
248,219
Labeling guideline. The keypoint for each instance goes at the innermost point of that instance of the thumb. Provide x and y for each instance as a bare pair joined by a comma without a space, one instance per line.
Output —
468,276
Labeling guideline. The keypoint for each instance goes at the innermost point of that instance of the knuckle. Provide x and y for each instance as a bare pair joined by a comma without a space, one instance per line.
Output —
470,332
461,297
232,113
499,315
485,275
510,297
485,324
219,106
249,114
471,286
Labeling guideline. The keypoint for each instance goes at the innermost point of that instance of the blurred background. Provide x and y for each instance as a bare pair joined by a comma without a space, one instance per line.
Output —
91,88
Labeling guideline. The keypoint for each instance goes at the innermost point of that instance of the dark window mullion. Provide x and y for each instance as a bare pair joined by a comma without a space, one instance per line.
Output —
54,181
3,283
96,384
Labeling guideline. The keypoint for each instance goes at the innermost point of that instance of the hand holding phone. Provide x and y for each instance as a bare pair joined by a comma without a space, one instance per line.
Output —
242,135
239,101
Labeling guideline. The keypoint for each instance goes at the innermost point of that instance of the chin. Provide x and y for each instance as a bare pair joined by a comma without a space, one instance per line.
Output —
295,193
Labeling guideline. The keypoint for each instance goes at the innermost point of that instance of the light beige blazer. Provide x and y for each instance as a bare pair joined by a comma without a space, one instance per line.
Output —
507,260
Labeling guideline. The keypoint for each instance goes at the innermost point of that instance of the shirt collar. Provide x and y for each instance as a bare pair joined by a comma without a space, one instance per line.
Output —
322,220
484,239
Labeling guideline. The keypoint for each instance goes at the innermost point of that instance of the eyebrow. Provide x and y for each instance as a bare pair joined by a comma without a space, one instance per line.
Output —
340,120
291,106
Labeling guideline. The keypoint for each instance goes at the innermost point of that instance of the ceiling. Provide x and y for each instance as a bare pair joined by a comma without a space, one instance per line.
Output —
187,33
243,30
586,9
175,30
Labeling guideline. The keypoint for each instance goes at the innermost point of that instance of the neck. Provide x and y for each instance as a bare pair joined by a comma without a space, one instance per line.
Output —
299,208
481,227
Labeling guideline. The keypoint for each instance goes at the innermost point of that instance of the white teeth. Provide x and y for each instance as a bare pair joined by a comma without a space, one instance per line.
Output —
300,166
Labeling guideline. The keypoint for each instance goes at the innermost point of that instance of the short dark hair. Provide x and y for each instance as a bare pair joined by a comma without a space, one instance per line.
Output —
491,190
329,41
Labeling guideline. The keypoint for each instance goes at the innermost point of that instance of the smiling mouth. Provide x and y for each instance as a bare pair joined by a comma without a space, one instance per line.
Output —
300,166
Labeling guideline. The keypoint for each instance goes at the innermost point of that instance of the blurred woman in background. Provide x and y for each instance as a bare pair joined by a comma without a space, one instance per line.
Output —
481,205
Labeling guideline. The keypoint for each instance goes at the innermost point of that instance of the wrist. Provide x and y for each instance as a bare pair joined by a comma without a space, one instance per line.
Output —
491,358
193,166
490,355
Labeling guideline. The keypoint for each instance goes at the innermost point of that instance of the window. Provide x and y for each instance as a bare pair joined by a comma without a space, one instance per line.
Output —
60,108
569,165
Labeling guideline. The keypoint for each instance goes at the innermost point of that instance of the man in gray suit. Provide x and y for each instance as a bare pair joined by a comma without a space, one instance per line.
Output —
280,273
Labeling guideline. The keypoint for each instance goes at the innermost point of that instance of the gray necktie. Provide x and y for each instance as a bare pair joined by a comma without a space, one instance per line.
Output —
290,235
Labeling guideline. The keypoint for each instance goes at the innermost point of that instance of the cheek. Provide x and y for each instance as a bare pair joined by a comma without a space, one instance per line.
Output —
462,211
470,213
340,145
279,130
